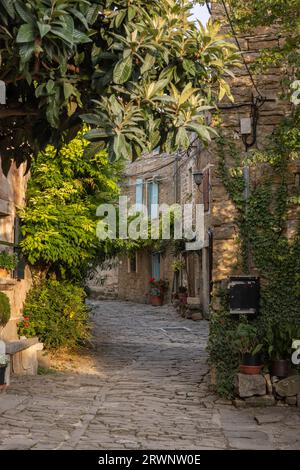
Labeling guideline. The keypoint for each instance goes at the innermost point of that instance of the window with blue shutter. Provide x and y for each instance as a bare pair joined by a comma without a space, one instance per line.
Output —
153,199
156,266
139,194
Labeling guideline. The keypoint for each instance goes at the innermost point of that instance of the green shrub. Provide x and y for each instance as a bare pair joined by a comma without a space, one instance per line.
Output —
224,355
4,309
55,312
8,261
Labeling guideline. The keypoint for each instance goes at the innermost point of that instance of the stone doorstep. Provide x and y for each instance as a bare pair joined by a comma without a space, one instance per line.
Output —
193,301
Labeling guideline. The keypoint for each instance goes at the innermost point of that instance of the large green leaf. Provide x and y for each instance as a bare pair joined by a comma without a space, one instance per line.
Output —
26,33
81,17
24,12
43,28
96,134
182,138
80,37
9,7
63,34
90,118
122,148
123,70
149,62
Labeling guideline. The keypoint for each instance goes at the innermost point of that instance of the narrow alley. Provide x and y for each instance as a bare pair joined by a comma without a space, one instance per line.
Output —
150,390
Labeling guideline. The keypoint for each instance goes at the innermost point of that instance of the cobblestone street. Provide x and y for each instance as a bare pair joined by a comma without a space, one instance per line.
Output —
149,391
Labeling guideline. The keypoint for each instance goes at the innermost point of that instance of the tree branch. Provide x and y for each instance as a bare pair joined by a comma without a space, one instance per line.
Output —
5,113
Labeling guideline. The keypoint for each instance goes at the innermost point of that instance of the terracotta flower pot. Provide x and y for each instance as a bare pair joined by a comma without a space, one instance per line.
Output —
4,272
156,300
250,370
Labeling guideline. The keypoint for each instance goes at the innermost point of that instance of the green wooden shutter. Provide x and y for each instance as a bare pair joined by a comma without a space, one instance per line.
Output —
19,272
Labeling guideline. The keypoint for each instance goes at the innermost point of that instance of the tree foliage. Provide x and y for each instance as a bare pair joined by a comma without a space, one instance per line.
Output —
142,73
59,220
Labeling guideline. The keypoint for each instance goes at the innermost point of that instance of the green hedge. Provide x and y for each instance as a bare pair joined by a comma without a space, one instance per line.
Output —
55,312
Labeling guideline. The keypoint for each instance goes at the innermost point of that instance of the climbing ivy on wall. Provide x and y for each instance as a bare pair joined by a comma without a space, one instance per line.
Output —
264,242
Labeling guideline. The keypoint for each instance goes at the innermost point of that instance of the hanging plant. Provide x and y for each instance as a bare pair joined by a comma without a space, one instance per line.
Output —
8,261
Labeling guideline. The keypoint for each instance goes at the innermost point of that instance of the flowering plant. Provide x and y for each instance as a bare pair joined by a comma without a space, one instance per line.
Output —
158,287
3,360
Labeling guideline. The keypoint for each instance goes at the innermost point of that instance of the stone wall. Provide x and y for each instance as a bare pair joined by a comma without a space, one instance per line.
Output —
12,197
271,113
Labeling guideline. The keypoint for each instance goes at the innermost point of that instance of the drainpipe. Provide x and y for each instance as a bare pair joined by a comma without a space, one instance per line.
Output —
176,179
210,261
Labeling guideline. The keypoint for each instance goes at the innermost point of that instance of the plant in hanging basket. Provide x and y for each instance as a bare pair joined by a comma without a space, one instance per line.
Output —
8,262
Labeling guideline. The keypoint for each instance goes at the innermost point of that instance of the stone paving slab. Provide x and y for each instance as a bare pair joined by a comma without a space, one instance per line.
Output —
151,392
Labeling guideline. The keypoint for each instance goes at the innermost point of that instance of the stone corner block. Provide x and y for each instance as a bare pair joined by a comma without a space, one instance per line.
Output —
250,385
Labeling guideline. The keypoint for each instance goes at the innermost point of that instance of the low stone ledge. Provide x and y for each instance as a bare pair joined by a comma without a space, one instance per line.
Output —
266,400
12,347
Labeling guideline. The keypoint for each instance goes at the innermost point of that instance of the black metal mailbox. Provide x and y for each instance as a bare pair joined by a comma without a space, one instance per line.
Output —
244,295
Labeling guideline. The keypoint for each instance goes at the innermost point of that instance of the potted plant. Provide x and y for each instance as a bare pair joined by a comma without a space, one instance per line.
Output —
182,294
8,262
247,342
4,309
3,365
157,290
278,341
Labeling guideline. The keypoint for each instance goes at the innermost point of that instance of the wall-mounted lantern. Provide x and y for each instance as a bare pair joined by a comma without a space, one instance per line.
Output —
198,177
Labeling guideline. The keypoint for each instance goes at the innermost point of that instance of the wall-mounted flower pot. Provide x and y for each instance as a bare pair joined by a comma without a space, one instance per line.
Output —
250,370
156,300
4,273
2,374
280,367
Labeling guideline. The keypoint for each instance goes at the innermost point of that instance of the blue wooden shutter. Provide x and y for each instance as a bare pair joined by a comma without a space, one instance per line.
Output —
139,194
154,200
156,266
149,197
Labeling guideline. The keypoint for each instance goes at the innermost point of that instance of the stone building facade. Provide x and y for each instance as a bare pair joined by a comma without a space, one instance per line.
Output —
164,179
